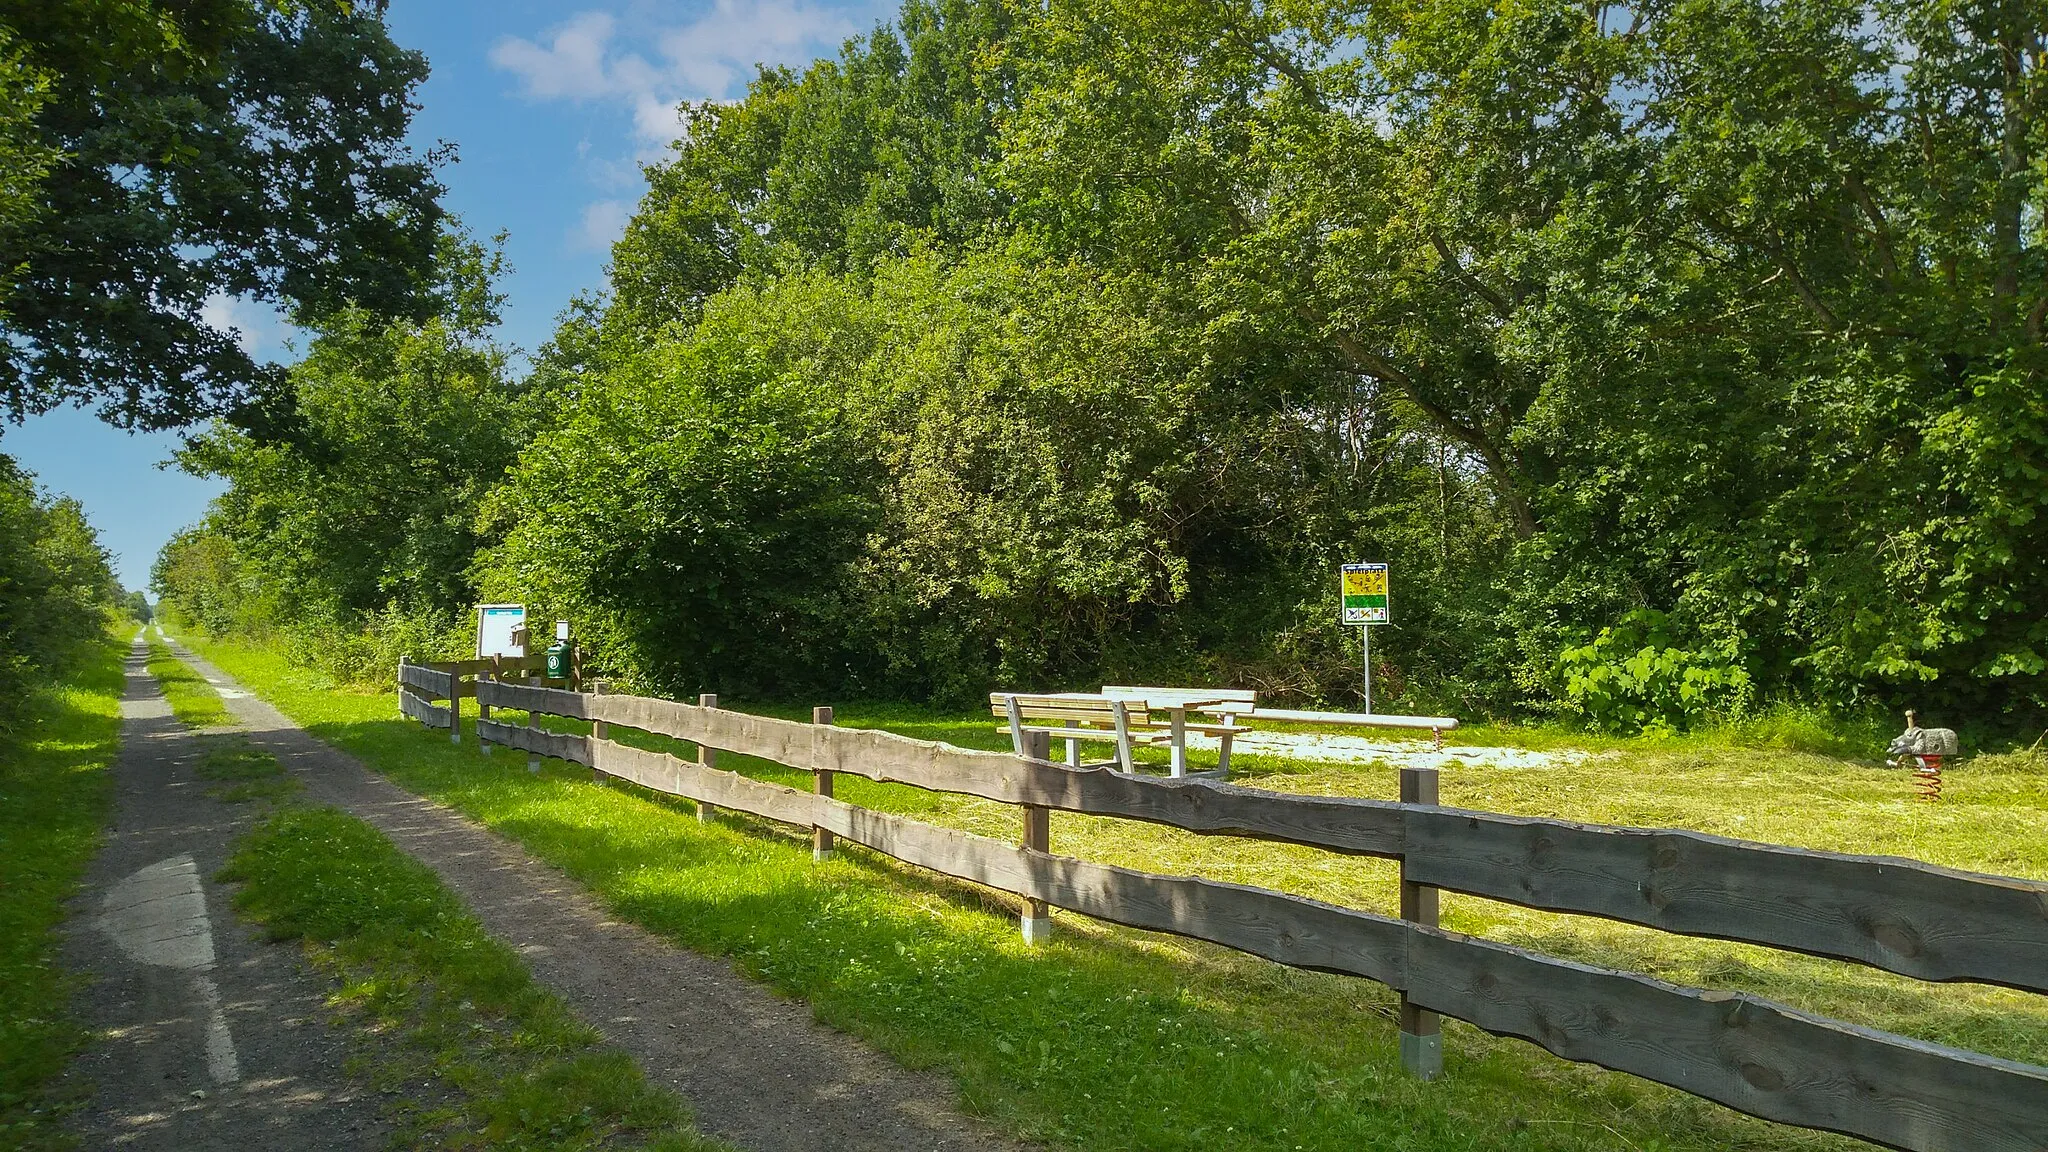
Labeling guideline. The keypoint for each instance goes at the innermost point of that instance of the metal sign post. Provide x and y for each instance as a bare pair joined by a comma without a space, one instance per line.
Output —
1365,646
1363,592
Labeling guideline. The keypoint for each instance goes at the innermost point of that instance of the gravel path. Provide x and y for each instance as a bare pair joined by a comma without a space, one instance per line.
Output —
205,1037
758,1069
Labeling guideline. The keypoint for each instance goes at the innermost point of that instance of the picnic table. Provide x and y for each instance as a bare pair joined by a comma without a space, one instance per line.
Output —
1177,703
1125,716
1123,713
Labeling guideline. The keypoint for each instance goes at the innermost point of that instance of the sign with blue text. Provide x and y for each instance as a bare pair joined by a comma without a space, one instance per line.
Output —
495,624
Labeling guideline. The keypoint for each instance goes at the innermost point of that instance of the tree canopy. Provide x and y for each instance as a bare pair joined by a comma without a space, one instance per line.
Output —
1678,355
157,158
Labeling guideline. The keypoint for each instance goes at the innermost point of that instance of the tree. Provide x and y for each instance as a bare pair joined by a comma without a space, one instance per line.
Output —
163,157
875,153
56,585
400,427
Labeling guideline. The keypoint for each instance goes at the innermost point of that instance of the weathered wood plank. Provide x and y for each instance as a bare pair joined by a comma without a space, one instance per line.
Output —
1903,916
560,745
702,783
439,685
533,698
473,666
1750,1054
416,706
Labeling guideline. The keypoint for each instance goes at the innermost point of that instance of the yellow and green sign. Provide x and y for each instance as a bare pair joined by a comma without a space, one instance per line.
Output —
1365,593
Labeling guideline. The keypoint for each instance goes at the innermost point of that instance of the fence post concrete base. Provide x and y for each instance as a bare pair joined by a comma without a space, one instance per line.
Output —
1422,1056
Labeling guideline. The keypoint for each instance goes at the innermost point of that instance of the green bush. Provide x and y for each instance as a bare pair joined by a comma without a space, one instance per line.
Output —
56,586
1633,678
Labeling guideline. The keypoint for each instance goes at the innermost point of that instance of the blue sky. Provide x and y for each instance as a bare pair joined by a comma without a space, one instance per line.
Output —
553,108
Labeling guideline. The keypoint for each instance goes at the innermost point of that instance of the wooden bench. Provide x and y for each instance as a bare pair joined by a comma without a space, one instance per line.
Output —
1075,717
1227,703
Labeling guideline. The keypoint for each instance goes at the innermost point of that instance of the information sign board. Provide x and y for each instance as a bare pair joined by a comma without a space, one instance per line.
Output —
1365,593
494,627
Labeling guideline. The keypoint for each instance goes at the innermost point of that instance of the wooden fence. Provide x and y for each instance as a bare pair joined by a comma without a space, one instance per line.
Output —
1752,1054
419,685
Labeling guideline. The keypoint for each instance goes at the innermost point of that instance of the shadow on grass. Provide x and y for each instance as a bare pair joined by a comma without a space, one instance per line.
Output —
1106,1038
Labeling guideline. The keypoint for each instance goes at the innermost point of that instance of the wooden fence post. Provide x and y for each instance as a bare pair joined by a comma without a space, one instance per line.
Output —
483,710
599,730
1422,1039
533,722
454,706
821,839
402,662
1036,920
708,757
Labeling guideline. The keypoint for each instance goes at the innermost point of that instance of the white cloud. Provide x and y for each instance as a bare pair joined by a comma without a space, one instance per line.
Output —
590,58
261,330
602,224
572,65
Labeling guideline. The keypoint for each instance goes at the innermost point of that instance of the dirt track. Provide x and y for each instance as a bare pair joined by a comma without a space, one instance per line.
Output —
758,1070
206,1037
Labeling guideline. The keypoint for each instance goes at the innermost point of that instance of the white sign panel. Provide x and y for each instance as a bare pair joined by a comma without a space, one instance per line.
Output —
494,625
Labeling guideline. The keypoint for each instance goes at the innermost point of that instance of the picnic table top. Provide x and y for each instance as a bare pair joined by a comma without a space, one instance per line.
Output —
1164,699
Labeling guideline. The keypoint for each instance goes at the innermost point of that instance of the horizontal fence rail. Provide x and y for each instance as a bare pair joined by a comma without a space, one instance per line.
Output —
1904,916
1754,1055
430,682
434,715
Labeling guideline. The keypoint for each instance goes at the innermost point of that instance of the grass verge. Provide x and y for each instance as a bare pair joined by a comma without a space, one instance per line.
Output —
1117,1039
54,792
192,699
457,1009
240,773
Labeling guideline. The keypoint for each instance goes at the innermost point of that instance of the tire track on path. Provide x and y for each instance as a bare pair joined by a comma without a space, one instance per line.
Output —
205,1036
758,1069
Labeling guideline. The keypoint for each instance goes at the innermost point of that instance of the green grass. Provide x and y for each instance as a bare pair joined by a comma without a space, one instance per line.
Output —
1111,1038
54,793
512,1068
242,772
192,699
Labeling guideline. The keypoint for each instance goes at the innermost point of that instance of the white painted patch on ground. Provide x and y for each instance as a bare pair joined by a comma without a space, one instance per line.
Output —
1342,749
221,1062
157,915
225,690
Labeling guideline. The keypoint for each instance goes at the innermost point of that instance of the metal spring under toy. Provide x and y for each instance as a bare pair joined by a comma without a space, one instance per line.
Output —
1927,777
